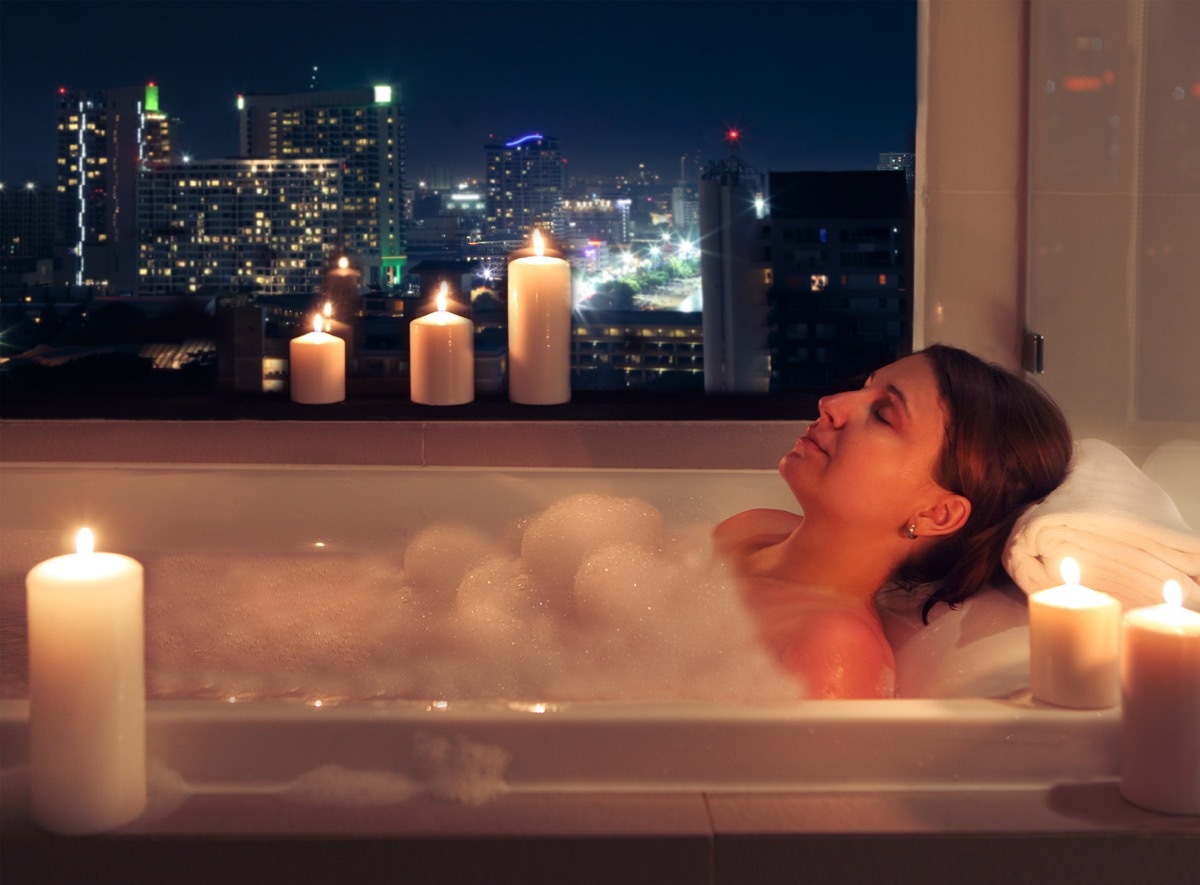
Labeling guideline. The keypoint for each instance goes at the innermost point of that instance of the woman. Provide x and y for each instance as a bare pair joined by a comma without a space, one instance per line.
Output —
915,479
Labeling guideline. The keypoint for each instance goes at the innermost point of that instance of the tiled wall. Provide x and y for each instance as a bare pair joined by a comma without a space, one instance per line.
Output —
1058,189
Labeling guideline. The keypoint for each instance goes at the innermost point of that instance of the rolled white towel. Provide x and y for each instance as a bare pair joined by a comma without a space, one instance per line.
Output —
1120,526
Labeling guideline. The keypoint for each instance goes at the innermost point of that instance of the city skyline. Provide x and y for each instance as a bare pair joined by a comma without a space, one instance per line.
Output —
811,85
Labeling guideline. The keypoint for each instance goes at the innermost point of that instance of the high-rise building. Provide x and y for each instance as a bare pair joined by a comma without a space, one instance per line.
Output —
525,181
685,209
104,140
600,218
261,226
903,162
26,226
364,129
840,304
734,276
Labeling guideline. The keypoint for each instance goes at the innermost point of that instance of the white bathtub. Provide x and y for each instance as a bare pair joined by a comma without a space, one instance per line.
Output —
477,748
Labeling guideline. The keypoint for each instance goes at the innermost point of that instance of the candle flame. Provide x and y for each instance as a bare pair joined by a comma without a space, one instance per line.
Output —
328,309
317,322
539,248
85,542
441,297
343,263
1069,570
1173,593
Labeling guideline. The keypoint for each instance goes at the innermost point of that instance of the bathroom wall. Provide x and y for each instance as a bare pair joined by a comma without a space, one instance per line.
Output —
1114,214
1058,190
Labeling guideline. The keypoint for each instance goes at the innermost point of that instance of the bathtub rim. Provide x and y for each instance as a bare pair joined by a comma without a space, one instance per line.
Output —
677,747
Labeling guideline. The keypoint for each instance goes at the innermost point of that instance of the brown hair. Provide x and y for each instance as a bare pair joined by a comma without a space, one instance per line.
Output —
1007,446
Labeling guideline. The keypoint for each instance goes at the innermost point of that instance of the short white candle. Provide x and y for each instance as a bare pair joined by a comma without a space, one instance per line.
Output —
87,690
539,327
441,348
317,366
1160,697
1074,635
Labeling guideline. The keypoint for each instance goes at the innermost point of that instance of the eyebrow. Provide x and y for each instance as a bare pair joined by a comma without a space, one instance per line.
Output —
898,394
894,392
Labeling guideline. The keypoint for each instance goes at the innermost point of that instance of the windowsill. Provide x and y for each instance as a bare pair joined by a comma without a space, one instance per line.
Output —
345,440
369,401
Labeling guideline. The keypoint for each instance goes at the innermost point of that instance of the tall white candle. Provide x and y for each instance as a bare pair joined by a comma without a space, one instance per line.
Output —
539,326
1073,640
1160,697
441,348
317,366
87,690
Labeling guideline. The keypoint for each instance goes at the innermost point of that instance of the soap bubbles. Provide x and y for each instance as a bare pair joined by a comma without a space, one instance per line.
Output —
556,541
592,598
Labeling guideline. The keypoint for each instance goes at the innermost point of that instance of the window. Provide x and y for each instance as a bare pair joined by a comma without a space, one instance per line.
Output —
792,266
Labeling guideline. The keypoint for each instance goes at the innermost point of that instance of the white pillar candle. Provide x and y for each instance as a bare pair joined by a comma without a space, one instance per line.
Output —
539,327
1160,697
1074,635
87,691
317,366
441,348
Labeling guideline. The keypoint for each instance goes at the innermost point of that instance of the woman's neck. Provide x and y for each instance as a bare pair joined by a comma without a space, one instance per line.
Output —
836,559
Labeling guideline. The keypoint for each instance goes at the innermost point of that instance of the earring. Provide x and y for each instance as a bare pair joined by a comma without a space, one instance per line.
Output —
911,532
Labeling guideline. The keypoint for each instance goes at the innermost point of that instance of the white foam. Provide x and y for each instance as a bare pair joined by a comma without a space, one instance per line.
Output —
340,787
590,599
460,769
557,540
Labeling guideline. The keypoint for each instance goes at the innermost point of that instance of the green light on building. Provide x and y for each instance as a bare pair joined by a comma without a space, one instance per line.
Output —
151,98
383,95
393,268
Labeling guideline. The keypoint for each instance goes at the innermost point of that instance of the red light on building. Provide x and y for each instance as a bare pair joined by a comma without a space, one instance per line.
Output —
1082,84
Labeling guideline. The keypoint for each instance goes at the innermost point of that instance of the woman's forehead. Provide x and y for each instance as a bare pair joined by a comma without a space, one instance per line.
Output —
914,377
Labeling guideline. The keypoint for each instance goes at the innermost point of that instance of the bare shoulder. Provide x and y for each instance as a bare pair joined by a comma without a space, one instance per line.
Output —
754,528
839,653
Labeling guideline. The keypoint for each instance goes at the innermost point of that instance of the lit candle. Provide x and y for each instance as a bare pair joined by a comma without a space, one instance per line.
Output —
317,366
87,690
441,349
1160,697
1073,640
539,326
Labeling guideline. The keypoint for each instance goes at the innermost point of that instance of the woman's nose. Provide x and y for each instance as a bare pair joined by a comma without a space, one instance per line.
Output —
834,408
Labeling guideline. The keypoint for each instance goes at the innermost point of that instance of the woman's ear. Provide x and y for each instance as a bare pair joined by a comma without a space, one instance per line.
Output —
949,514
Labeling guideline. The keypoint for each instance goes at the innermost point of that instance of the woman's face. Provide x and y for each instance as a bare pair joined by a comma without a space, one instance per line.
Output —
868,460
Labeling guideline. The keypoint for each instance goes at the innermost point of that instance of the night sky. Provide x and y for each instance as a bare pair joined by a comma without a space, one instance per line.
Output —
812,84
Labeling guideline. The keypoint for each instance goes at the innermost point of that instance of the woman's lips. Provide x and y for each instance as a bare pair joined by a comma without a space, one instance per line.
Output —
809,440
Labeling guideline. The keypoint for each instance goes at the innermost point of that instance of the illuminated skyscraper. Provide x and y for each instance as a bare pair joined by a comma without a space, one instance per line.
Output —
525,178
262,226
364,129
103,141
